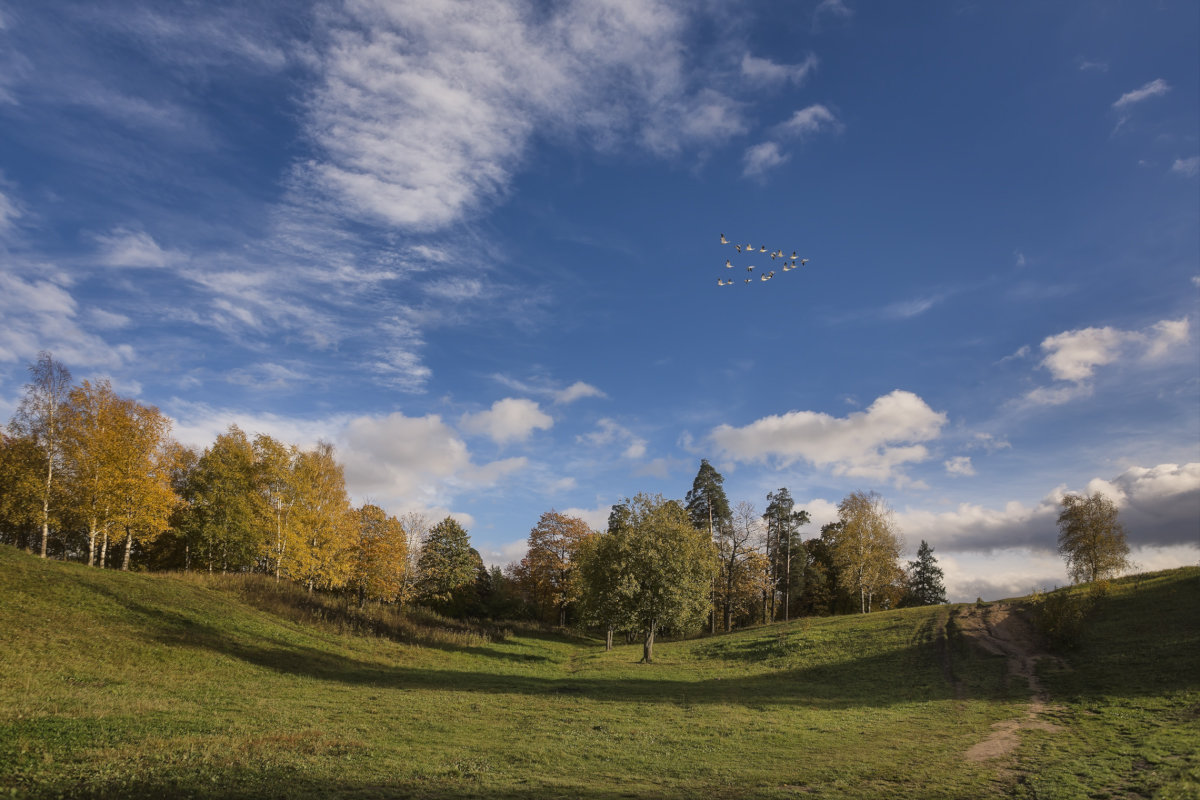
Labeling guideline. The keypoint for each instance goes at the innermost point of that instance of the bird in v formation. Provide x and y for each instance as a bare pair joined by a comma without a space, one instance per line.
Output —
789,262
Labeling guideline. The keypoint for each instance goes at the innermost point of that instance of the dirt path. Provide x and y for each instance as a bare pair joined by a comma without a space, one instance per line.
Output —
998,629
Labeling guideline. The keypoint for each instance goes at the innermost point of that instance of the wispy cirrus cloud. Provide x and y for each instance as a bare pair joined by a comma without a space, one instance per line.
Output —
804,123
1154,88
767,72
424,113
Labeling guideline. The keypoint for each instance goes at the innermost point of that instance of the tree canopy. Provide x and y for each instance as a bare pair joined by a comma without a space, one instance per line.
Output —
1090,538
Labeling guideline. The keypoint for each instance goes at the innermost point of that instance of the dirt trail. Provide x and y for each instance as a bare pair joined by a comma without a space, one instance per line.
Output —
998,629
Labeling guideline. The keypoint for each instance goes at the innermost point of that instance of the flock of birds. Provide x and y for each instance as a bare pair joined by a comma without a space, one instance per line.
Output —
789,262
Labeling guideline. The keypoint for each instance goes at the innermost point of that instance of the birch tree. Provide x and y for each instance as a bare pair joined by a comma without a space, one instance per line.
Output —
867,546
93,425
323,534
1091,538
39,418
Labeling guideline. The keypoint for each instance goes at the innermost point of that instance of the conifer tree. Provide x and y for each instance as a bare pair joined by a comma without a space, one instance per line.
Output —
446,567
925,586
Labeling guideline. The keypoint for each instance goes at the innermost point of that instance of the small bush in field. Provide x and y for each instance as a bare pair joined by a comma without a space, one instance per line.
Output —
1061,615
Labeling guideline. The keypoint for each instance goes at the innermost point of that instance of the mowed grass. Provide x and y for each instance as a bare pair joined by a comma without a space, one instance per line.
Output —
146,685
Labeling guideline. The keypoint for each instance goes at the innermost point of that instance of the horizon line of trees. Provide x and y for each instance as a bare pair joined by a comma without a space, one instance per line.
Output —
95,477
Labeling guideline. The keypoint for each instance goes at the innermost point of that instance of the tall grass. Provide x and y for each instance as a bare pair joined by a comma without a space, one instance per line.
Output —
341,614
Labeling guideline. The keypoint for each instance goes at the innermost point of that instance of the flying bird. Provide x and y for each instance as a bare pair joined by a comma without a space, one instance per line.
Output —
723,239
737,247
728,264
750,268
803,261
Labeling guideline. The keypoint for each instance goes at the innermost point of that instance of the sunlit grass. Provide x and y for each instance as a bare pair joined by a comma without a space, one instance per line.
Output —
143,685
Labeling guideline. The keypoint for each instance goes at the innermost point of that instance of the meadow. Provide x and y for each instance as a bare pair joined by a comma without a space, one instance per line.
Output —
142,685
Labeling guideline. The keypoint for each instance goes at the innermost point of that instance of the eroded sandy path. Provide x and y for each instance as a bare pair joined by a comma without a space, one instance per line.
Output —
998,629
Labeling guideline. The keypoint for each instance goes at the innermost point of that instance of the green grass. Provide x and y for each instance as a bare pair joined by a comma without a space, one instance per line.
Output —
169,686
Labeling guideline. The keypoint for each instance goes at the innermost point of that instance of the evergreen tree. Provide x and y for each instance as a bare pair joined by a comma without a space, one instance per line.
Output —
447,568
708,509
785,551
925,587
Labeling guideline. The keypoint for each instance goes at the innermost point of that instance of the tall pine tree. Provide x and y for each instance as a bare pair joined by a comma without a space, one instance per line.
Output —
925,587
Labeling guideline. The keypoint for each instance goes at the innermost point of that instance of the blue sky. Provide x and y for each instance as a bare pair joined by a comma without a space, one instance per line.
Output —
476,246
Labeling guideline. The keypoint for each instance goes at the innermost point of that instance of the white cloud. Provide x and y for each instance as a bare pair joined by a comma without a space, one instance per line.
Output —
1086,65
508,420
42,315
576,391
1188,167
762,157
127,248
1154,88
764,70
596,518
873,443
960,465
413,461
425,110
808,121
1074,356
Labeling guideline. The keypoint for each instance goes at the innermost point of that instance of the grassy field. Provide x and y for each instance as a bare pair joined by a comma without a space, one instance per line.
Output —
144,685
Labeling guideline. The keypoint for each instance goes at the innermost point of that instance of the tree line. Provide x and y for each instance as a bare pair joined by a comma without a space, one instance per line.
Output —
670,566
89,475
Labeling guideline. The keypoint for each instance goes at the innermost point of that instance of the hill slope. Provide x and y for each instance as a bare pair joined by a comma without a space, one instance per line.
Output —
144,685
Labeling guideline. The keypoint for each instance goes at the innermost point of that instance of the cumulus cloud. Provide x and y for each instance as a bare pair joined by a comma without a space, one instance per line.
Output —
1188,167
416,461
873,443
508,420
1154,88
425,110
1074,356
763,70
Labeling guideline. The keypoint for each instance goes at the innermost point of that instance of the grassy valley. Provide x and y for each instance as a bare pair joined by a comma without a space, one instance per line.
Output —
136,685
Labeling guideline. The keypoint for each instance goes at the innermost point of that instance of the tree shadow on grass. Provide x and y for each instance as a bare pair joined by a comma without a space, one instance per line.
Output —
863,682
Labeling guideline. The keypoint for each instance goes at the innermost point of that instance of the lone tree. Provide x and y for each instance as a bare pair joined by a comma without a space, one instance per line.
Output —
656,570
925,587
1090,538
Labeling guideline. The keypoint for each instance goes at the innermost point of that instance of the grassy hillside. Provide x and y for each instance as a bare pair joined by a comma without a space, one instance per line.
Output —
141,685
